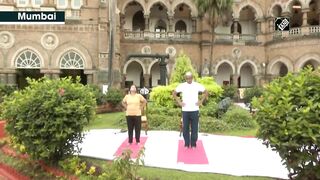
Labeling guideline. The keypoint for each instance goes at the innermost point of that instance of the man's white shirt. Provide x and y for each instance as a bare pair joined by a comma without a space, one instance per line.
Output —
190,93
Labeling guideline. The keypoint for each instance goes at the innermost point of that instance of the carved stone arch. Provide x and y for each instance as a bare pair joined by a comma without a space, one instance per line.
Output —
256,7
125,4
153,63
163,2
283,59
220,62
305,58
192,6
134,60
76,47
21,46
253,66
277,3
287,5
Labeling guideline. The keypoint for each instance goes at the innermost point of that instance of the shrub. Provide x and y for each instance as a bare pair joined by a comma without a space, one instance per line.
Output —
229,91
210,109
211,125
50,118
214,90
162,96
238,118
99,96
6,90
183,65
251,93
288,116
114,96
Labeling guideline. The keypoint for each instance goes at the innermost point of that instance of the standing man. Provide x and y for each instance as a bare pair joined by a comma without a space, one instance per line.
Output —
190,107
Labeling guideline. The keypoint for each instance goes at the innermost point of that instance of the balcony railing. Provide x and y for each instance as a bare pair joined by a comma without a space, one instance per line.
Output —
232,37
297,32
139,35
314,29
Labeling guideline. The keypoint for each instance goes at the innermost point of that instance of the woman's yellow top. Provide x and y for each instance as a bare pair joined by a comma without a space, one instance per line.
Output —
134,104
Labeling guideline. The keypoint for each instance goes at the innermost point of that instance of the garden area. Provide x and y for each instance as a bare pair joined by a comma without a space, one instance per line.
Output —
46,121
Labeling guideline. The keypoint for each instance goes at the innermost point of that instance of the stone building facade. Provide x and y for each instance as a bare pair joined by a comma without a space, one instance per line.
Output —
100,35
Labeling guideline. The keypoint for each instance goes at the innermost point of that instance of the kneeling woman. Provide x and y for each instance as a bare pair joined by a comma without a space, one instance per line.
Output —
134,103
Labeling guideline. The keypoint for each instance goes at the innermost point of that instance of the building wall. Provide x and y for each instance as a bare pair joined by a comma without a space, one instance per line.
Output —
252,56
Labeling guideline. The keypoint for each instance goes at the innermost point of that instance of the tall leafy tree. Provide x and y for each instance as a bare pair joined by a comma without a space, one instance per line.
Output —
215,10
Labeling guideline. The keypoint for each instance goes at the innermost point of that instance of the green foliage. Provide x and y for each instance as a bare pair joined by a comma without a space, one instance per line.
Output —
251,93
229,91
163,118
183,65
214,90
162,95
238,119
210,109
210,125
6,90
114,96
289,120
50,117
99,96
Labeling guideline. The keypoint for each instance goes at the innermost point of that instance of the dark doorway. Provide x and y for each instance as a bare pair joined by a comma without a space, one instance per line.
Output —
73,73
23,74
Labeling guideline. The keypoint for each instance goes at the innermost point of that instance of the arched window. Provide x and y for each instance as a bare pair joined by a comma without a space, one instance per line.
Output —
161,26
28,60
181,26
138,22
71,60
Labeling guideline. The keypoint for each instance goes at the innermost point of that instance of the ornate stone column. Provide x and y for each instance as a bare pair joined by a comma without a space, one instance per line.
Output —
258,21
146,23
235,80
235,26
305,17
89,74
171,29
194,24
146,78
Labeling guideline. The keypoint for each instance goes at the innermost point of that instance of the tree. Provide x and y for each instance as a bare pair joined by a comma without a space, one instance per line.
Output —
183,65
215,9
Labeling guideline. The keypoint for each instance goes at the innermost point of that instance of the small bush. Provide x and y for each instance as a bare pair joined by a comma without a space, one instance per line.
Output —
238,118
99,96
162,96
50,117
229,91
210,109
211,125
214,90
288,116
114,96
250,93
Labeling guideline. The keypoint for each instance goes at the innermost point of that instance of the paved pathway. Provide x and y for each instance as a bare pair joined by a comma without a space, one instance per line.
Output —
230,155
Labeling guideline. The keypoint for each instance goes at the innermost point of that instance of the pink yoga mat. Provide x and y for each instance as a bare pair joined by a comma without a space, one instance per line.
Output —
135,148
192,156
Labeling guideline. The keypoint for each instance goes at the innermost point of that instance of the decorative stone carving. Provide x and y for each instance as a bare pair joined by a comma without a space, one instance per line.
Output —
146,50
49,41
171,51
6,39
236,53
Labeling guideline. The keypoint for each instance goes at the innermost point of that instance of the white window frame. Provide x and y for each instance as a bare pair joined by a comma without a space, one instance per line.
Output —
62,6
31,62
73,6
68,62
19,4
37,5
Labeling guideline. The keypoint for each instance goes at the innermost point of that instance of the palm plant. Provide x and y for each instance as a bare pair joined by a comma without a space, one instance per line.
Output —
216,10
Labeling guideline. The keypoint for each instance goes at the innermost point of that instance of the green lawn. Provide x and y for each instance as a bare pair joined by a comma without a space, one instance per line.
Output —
151,173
